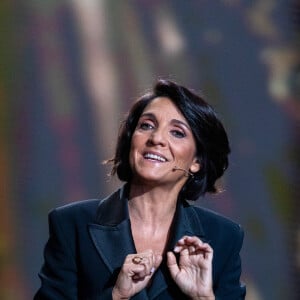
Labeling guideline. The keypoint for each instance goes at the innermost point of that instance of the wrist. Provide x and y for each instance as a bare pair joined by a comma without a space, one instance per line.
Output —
204,298
210,297
116,295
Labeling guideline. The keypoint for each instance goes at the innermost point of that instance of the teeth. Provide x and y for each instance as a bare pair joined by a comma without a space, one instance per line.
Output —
154,156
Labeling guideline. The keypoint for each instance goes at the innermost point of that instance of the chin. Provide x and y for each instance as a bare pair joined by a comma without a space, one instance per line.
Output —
147,179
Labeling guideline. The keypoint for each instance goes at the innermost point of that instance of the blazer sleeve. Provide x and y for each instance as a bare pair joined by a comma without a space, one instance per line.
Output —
229,286
59,273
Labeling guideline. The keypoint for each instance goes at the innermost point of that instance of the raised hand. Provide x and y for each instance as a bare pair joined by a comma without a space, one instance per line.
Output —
135,274
193,273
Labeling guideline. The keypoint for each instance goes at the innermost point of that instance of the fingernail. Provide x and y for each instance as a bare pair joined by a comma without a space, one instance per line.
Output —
176,249
152,270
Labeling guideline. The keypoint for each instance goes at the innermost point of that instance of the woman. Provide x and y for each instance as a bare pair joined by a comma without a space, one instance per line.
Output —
145,241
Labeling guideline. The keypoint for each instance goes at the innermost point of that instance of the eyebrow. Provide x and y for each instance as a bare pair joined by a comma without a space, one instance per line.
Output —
176,121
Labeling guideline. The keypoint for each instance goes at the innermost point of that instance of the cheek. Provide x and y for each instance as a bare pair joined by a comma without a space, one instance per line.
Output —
186,152
134,143
138,141
133,148
131,154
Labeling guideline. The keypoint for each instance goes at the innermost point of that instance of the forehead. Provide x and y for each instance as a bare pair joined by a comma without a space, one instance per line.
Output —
163,106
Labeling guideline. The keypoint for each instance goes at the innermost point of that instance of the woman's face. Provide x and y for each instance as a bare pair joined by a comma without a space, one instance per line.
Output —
161,142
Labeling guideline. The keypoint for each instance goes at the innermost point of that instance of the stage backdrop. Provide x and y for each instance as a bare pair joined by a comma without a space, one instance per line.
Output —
71,69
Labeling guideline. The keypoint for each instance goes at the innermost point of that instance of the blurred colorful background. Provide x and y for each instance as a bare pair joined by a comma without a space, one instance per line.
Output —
69,70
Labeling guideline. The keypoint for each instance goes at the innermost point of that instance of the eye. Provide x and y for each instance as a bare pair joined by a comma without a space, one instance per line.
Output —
145,126
178,133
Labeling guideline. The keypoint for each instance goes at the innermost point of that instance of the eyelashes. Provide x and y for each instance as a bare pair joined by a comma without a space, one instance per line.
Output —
146,126
178,133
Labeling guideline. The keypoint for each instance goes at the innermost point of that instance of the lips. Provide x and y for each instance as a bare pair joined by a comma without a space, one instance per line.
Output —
155,157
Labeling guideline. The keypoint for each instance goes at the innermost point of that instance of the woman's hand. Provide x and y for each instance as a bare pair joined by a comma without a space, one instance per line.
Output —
193,273
135,274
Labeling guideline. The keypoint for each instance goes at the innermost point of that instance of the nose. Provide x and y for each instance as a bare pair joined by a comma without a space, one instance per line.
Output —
158,137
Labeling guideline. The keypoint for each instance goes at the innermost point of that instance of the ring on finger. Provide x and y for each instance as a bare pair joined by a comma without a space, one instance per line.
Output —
137,260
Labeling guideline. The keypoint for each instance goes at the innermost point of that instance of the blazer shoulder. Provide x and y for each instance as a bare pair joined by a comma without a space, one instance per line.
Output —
213,219
84,209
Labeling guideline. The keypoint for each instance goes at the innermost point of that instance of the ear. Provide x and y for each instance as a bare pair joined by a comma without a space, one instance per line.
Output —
195,166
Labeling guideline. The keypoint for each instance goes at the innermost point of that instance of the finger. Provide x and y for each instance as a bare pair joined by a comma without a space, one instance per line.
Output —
208,251
157,261
137,269
178,249
182,241
148,262
153,262
205,253
148,268
180,245
187,241
172,264
185,244
138,272
184,252
204,247
192,250
184,257
192,240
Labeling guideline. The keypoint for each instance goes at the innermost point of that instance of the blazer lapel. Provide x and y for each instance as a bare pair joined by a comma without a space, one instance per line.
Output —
112,243
186,222
111,231
112,237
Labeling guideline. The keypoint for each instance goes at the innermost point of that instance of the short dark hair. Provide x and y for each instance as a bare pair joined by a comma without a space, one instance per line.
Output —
210,136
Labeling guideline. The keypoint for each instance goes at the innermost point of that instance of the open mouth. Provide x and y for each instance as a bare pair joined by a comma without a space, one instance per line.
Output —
154,157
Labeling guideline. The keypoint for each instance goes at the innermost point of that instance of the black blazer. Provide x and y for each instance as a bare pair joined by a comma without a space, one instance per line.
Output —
89,240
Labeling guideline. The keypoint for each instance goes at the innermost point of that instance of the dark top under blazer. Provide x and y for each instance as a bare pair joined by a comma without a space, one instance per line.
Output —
89,240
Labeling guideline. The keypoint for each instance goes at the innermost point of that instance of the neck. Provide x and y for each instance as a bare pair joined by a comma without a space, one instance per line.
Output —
152,205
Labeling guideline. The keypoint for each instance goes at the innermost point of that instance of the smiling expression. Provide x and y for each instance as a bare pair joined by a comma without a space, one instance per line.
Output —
162,141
